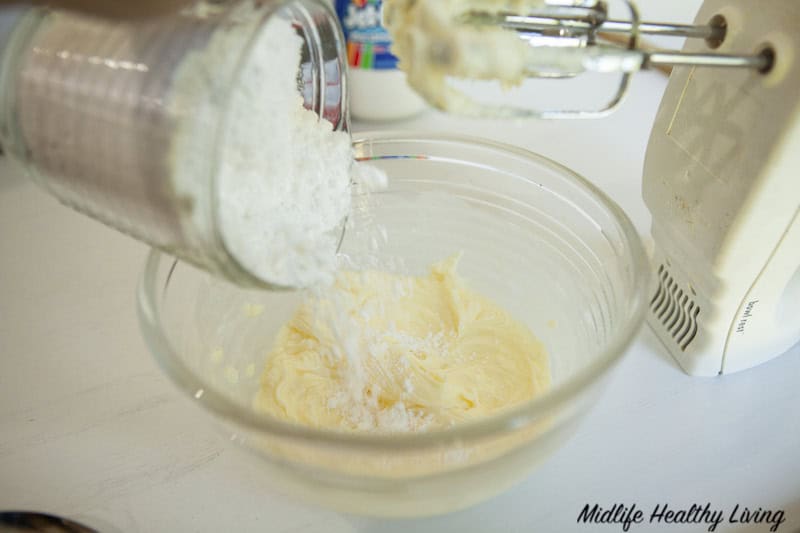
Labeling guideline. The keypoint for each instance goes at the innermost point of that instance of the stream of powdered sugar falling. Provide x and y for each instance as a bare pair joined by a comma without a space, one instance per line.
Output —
346,322
285,230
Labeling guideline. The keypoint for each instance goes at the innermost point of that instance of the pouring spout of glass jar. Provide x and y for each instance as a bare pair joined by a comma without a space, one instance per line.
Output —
125,120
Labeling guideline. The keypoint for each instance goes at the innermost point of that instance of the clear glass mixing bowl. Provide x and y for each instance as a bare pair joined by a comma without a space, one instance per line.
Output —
537,239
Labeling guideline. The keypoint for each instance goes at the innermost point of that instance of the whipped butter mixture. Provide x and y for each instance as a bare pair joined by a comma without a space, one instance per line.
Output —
432,45
385,352
435,43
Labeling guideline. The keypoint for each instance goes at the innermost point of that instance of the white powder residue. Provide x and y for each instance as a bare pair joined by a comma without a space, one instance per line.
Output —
377,391
357,333
369,178
282,188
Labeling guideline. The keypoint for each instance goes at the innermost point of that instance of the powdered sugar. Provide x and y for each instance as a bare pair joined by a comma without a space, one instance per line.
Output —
283,185
376,387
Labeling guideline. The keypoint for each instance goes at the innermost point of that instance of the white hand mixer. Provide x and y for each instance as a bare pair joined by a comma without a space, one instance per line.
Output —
722,170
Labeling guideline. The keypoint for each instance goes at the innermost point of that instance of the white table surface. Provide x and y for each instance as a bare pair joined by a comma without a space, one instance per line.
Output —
89,427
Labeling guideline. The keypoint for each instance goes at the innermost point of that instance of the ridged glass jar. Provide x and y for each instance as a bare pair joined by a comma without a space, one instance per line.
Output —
92,110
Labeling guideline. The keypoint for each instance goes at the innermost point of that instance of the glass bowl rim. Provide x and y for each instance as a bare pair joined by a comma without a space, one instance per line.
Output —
508,420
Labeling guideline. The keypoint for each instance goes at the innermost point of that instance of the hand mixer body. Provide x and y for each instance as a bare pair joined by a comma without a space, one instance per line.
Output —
722,181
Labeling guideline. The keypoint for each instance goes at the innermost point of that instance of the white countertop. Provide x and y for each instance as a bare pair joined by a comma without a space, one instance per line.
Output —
89,427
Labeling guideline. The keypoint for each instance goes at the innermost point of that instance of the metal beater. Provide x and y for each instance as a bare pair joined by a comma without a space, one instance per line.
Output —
566,38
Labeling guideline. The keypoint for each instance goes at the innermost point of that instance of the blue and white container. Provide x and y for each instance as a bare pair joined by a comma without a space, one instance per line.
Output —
378,90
